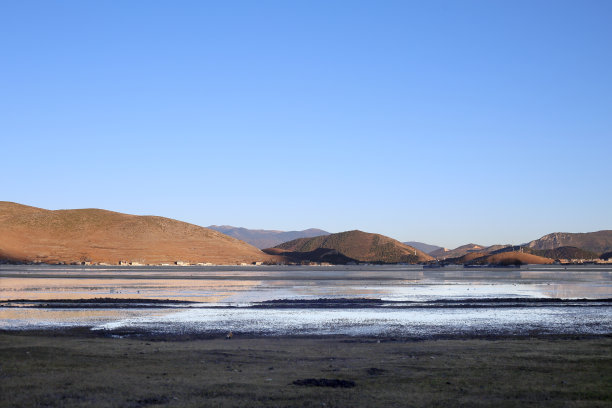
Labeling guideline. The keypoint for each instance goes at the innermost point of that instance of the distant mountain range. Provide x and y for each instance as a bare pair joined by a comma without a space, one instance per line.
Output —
30,234
558,245
427,248
353,245
266,238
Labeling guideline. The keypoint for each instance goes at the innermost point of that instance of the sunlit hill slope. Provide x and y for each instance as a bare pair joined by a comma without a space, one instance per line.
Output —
93,235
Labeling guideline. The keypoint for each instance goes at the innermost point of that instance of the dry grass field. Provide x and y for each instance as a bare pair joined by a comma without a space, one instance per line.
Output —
80,370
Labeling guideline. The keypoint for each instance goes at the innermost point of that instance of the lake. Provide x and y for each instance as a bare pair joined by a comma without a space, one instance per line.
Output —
400,300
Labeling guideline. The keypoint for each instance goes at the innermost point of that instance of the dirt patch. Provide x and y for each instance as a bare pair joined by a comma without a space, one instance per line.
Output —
325,382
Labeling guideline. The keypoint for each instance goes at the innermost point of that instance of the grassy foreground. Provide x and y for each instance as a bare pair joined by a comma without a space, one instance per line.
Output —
39,369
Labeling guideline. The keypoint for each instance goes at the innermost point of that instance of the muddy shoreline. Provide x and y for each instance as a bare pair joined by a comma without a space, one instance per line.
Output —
155,335
321,303
324,317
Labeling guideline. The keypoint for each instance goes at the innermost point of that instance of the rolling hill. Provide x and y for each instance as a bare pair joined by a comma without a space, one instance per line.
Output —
494,254
37,235
598,242
356,245
266,238
511,258
565,252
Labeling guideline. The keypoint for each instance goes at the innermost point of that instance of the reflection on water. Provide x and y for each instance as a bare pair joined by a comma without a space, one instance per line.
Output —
120,288
251,284
23,318
241,286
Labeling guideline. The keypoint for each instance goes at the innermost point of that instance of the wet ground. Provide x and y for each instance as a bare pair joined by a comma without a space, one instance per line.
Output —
406,301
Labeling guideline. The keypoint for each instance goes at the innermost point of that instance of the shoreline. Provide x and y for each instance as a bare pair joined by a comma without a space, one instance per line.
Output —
341,317
139,333
318,303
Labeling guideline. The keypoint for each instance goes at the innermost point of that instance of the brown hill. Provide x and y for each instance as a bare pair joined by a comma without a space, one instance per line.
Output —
356,245
565,253
512,258
34,234
598,242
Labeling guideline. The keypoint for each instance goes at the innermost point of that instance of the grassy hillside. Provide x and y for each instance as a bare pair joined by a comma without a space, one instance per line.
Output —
598,242
566,253
360,246
34,234
556,253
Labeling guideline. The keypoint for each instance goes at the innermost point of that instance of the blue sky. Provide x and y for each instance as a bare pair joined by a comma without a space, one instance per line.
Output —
442,121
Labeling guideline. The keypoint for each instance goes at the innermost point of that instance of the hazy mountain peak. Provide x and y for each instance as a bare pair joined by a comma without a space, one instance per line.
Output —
261,238
427,248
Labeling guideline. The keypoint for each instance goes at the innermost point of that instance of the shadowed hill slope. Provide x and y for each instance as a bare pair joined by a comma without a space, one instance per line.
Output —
556,253
318,255
34,234
358,245
266,238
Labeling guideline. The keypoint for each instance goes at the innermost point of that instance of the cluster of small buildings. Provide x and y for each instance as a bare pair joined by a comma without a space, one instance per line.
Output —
582,261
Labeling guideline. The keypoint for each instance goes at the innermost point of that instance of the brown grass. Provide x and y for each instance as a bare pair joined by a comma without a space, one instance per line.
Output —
512,257
41,370
34,234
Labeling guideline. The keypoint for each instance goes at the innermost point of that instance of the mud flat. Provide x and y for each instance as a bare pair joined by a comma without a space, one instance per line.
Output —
78,367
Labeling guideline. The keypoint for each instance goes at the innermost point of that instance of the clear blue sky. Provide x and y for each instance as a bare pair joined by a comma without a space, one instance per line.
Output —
439,121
